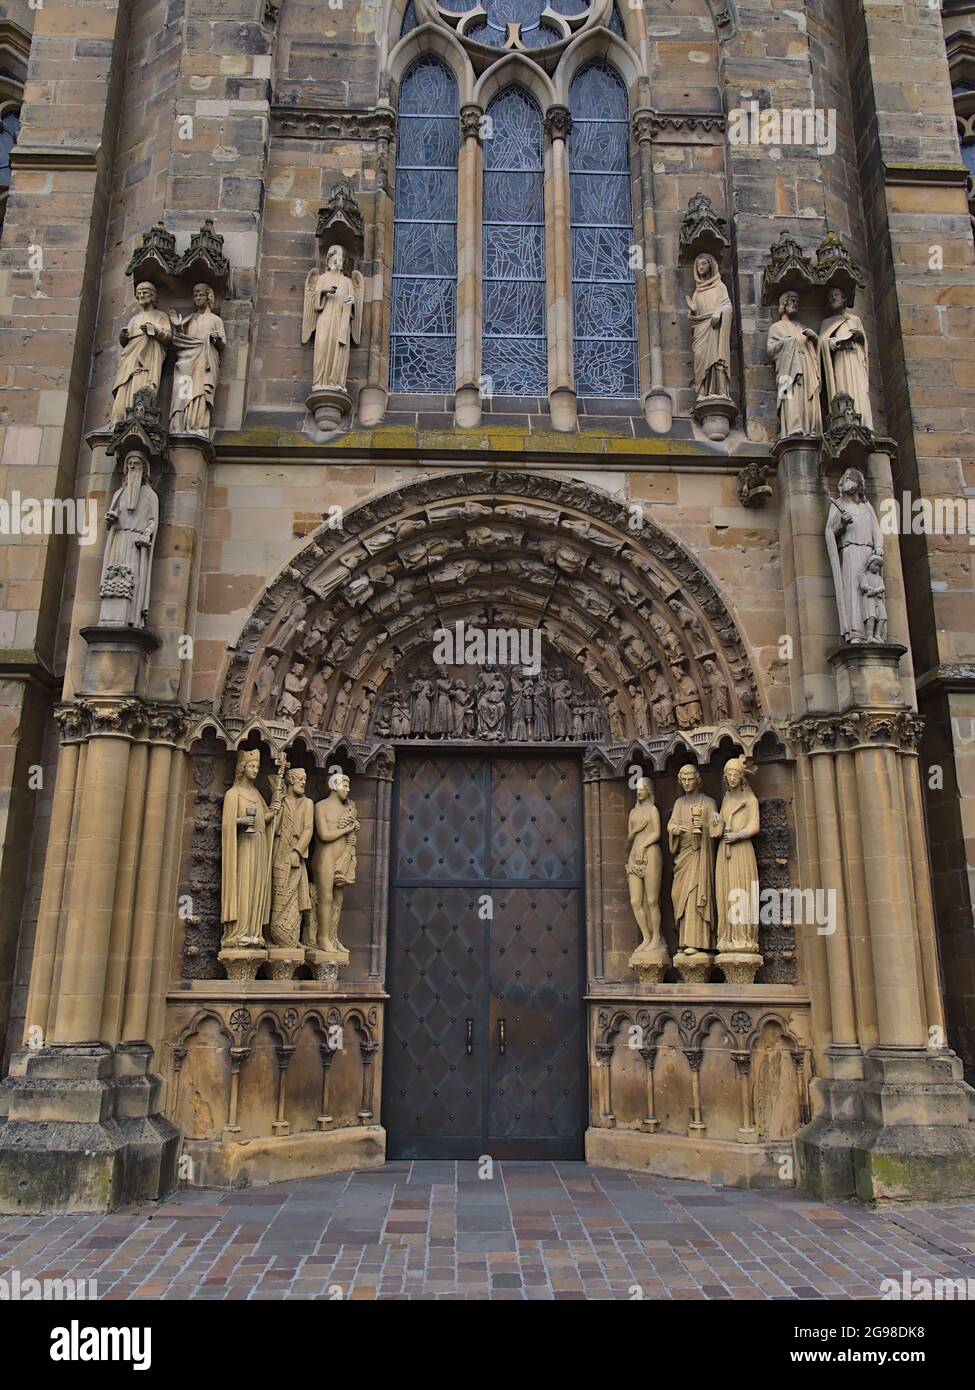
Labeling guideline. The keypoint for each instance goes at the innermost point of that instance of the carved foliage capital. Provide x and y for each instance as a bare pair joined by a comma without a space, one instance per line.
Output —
838,733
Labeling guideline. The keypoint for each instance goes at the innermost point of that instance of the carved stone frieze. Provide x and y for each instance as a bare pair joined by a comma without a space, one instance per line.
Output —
899,729
328,123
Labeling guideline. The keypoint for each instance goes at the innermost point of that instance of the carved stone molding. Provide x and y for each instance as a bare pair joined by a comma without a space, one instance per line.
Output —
678,127
333,123
900,729
85,718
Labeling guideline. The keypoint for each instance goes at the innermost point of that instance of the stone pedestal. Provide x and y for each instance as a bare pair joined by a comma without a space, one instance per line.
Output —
694,967
867,675
328,404
716,415
739,967
242,964
325,964
658,409
650,963
283,962
83,1132
115,660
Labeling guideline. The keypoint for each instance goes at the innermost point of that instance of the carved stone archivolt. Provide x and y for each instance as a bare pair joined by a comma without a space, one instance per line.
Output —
645,645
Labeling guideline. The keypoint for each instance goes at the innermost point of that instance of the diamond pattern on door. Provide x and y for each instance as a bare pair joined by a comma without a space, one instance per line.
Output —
485,933
436,985
536,989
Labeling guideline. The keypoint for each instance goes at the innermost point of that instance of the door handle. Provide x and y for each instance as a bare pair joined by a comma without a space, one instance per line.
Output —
501,1036
470,1036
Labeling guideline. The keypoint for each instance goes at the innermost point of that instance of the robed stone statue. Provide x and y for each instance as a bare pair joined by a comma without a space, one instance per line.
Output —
693,825
844,356
131,522
710,316
333,313
794,350
855,544
144,340
290,896
199,338
245,880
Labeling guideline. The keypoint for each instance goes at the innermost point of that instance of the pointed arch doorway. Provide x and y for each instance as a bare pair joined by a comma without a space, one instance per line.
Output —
485,1045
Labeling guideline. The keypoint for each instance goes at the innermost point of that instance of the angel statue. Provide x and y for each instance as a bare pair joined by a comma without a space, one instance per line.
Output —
333,312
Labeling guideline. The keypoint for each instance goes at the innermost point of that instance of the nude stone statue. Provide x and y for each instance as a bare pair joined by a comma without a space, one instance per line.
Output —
144,340
334,860
131,522
644,874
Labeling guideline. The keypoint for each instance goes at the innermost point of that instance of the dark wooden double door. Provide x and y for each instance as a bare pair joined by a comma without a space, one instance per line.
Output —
484,1050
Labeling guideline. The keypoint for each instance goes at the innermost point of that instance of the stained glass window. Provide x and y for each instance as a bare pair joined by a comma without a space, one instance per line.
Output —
534,32
515,331
616,22
409,19
604,296
9,130
424,317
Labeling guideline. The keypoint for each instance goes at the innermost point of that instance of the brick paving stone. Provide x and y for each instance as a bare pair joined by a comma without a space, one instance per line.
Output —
535,1231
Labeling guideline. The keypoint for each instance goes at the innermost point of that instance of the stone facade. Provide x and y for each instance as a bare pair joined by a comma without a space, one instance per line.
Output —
667,548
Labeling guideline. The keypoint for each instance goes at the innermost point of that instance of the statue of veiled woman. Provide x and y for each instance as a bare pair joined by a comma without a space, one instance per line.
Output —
711,317
245,888
333,313
736,874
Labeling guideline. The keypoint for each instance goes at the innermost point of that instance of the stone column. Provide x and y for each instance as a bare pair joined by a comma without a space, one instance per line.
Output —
470,200
372,396
658,403
561,381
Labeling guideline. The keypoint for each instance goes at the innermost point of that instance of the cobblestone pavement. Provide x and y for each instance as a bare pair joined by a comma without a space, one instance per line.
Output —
534,1231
